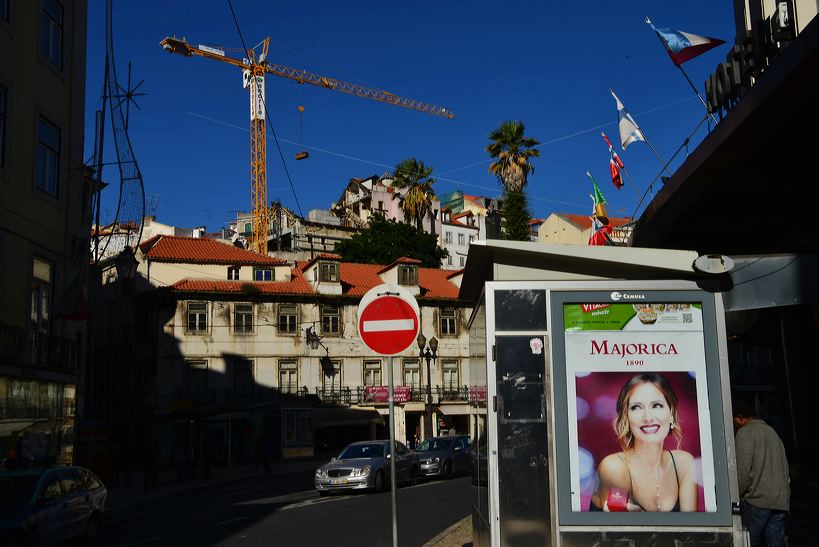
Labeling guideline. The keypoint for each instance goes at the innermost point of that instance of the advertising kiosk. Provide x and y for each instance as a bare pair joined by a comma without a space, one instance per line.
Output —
608,398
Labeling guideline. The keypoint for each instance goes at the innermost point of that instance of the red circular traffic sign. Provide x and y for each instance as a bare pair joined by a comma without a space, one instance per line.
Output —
388,324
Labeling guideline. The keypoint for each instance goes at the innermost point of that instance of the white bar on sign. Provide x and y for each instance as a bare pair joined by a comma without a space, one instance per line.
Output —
389,325
211,50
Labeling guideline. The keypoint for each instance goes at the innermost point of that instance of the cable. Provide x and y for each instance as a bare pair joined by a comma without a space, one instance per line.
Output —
267,119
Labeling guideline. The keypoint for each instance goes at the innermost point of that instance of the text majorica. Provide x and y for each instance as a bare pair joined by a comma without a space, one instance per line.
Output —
603,347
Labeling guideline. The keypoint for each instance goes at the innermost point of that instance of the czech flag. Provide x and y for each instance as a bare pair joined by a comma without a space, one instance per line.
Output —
683,46
615,164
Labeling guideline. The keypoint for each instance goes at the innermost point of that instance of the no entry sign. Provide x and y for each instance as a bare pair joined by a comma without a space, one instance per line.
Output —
388,319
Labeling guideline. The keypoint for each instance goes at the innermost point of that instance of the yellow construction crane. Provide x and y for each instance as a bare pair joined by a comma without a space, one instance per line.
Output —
254,69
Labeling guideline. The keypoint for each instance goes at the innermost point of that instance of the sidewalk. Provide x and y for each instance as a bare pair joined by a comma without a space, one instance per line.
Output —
121,498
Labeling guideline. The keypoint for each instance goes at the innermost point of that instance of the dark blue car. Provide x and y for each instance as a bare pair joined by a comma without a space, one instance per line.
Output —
47,505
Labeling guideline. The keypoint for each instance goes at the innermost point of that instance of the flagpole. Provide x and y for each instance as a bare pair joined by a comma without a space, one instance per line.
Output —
687,79
636,191
657,154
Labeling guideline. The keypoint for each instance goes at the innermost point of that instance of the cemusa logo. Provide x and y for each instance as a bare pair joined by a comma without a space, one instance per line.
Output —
626,296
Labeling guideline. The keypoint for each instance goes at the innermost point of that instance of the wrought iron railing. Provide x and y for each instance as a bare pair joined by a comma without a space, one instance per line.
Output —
451,394
336,395
23,347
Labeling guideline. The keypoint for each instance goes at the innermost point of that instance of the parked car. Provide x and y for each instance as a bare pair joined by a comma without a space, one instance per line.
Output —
365,465
444,456
44,505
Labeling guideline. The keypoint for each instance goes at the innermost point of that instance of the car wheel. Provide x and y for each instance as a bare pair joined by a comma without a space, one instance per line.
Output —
379,481
448,470
92,531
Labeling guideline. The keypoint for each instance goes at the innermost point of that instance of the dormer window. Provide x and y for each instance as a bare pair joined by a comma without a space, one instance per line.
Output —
233,273
263,274
407,275
328,272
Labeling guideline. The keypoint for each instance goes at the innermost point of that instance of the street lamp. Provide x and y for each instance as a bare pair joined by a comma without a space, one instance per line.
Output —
428,353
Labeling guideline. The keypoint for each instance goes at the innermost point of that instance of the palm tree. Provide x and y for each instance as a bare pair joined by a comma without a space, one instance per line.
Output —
416,179
512,151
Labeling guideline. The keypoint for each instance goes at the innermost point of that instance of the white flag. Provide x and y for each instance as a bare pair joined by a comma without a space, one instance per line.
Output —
629,132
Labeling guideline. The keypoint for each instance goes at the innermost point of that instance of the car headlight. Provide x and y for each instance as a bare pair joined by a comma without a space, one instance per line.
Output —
437,459
363,472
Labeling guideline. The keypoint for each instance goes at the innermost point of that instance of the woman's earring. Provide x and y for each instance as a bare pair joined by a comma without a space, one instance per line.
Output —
672,425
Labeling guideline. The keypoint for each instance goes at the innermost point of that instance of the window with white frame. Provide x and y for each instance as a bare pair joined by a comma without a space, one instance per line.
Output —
47,159
330,320
461,239
248,229
233,273
372,373
328,272
263,274
196,381
461,260
471,239
51,32
448,322
331,375
448,237
407,275
243,379
287,322
412,373
41,290
197,317
450,374
243,318
449,260
288,376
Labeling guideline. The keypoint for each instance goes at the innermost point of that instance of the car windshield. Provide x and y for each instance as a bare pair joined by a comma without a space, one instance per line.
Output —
375,450
434,444
16,490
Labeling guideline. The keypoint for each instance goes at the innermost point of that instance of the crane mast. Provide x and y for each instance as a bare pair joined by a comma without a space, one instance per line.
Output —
254,70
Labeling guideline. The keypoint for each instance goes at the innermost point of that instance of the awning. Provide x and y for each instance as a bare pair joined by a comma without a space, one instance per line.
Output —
334,416
9,428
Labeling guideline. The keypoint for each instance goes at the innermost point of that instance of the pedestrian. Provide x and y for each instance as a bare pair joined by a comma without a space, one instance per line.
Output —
763,477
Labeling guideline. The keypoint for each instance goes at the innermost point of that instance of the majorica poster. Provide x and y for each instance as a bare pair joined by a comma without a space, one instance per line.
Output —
639,425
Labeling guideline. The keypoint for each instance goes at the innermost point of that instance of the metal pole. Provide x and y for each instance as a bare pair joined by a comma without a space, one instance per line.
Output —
428,416
687,79
393,493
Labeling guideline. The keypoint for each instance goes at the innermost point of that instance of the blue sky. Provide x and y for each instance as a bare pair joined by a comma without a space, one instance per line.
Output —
548,64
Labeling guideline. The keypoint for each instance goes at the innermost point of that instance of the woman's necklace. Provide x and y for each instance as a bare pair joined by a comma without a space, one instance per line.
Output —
654,474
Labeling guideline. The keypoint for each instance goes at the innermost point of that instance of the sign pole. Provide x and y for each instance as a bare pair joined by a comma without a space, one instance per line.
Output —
393,481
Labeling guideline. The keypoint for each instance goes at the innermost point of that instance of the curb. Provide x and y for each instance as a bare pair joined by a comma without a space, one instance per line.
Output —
440,537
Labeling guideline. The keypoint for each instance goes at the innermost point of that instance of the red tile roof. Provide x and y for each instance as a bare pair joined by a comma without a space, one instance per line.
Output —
193,250
357,279
323,256
435,283
584,221
402,260
298,285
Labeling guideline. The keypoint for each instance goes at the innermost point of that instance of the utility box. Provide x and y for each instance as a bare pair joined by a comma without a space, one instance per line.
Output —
607,399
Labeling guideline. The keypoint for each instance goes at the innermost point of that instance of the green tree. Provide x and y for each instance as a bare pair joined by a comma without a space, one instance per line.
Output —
416,178
385,241
512,151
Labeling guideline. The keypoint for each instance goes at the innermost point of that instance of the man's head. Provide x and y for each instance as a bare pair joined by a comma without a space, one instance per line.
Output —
743,411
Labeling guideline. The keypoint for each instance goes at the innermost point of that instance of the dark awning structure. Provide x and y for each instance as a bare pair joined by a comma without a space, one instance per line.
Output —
337,416
750,186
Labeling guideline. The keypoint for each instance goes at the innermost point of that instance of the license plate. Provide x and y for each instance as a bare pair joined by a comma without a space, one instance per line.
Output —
338,481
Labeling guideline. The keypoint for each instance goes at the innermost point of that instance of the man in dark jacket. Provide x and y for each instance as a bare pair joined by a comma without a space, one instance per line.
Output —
763,477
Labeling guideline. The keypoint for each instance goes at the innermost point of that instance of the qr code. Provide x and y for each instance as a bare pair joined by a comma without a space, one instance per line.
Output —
687,318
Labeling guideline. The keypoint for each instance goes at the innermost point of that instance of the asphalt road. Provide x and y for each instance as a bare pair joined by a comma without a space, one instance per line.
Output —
285,510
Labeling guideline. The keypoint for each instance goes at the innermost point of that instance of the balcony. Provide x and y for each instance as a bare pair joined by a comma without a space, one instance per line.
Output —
27,348
337,395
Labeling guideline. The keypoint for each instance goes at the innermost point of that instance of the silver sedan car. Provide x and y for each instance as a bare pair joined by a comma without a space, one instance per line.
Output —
365,465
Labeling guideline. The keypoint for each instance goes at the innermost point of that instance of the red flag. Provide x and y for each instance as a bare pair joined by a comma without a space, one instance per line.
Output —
615,164
600,233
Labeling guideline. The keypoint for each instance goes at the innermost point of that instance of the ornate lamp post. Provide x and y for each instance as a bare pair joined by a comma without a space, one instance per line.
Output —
429,354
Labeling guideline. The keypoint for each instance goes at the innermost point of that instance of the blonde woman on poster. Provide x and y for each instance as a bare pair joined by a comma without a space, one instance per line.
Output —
644,475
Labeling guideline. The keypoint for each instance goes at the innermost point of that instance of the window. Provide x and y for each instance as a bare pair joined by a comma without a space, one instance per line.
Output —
243,318
328,272
2,122
52,490
330,320
196,381
233,273
47,156
287,319
450,368
471,239
331,375
197,316
407,275
263,274
461,240
288,377
412,374
41,288
461,260
449,260
243,379
247,228
4,10
372,373
51,32
448,237
448,322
